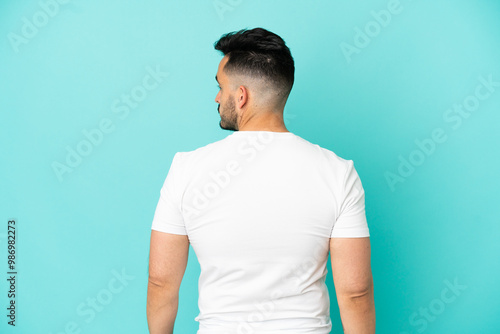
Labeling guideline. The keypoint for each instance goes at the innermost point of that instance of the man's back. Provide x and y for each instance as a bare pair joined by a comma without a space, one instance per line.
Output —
259,208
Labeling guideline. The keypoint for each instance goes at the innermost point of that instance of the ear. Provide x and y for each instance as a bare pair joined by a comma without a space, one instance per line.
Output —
241,96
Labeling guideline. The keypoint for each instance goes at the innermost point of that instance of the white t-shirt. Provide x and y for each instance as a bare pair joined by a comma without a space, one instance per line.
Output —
259,209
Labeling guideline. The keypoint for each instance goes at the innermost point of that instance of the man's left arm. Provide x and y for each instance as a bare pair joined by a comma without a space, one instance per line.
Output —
168,257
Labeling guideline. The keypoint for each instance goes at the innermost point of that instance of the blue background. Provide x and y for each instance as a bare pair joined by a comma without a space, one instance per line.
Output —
435,226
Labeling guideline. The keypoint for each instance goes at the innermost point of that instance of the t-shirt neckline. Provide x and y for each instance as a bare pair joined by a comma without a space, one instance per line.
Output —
257,131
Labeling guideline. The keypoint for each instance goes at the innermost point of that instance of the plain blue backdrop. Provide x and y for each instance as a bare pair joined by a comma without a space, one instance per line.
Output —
409,90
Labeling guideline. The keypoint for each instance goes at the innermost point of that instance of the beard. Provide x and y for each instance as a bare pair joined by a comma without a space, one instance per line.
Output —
229,117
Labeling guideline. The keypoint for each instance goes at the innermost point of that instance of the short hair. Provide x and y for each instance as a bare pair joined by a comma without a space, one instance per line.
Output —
259,53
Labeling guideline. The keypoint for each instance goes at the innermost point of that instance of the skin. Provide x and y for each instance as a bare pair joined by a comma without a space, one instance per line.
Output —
353,281
248,104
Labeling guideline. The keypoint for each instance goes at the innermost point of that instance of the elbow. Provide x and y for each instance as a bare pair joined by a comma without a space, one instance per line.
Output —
364,293
155,282
166,288
162,284
359,292
161,293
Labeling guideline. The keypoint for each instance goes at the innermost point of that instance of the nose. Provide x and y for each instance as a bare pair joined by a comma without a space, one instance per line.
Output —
217,97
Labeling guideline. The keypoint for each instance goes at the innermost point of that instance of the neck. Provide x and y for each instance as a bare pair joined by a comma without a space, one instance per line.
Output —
269,121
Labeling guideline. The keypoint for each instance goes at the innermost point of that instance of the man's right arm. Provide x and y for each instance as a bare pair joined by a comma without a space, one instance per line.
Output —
352,277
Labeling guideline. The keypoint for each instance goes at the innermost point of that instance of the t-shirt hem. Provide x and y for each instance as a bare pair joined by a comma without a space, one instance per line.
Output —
169,230
359,233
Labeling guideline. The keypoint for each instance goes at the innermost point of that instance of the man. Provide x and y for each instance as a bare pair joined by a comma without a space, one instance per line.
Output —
262,208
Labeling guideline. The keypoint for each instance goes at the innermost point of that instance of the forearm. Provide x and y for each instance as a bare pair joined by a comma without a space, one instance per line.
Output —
358,313
161,309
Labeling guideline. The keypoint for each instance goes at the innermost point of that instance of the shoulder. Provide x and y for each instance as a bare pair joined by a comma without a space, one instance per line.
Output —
328,156
201,154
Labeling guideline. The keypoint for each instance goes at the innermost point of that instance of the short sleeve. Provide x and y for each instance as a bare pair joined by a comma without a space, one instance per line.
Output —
351,221
168,217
